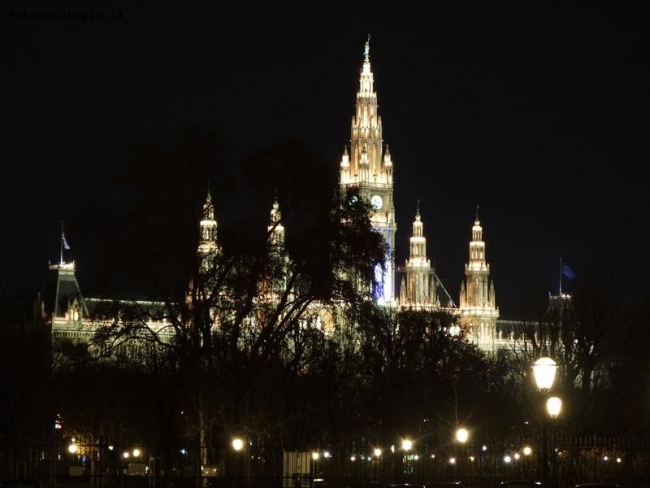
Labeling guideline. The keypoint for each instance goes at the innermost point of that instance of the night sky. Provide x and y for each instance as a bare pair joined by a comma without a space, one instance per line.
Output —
537,114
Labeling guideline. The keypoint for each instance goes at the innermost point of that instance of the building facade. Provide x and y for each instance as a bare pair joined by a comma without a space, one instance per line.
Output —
367,165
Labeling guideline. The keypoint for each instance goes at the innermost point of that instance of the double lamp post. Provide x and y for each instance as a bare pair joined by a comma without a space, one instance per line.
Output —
544,371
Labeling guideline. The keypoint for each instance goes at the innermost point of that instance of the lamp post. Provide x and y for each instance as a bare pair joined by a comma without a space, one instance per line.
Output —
461,436
376,457
315,455
238,445
407,467
544,371
526,451
553,406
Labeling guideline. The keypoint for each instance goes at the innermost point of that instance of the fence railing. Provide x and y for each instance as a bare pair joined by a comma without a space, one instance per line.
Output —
572,459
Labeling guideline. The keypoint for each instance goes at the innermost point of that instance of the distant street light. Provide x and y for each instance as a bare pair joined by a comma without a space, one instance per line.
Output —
407,458
377,457
315,455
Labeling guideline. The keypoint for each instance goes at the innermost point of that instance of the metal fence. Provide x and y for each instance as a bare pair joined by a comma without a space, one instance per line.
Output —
571,460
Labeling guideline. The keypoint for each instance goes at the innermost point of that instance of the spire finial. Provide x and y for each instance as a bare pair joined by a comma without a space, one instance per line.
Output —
417,207
366,51
477,212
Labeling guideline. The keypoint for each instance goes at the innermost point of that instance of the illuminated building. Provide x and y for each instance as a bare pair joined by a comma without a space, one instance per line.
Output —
367,165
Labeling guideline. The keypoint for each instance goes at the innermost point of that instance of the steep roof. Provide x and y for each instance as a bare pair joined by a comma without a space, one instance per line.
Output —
61,289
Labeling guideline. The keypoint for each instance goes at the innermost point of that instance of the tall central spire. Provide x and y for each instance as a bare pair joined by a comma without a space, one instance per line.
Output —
369,167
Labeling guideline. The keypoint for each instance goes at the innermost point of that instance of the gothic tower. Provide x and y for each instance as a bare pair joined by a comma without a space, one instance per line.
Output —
418,287
207,255
279,259
208,249
478,312
370,168
275,228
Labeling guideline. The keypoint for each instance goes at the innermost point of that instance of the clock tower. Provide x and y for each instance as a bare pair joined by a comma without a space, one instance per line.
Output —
368,166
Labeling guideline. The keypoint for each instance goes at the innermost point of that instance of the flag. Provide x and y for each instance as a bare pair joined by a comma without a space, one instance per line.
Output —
568,272
66,246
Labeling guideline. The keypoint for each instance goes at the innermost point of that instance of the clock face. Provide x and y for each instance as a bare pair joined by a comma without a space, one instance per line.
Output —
376,201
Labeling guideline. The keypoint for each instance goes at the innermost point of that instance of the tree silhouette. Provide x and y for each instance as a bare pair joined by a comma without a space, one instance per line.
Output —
247,319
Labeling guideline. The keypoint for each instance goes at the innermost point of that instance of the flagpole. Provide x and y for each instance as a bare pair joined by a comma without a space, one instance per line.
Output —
560,276
61,243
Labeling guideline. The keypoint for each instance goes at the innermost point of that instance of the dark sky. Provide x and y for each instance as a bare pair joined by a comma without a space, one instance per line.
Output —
537,113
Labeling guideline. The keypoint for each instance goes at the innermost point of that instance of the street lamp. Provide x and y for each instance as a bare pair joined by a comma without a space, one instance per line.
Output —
238,445
553,406
544,370
407,463
315,455
377,458
461,436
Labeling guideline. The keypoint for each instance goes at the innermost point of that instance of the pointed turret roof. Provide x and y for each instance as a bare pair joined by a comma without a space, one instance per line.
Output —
61,290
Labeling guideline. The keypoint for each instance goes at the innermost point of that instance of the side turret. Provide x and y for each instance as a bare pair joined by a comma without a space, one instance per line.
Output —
478,311
418,287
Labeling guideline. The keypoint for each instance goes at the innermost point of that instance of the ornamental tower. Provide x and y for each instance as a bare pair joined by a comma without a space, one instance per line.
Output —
418,287
369,167
208,249
278,257
478,312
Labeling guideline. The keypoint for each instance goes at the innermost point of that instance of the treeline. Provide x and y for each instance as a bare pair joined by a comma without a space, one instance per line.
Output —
316,365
